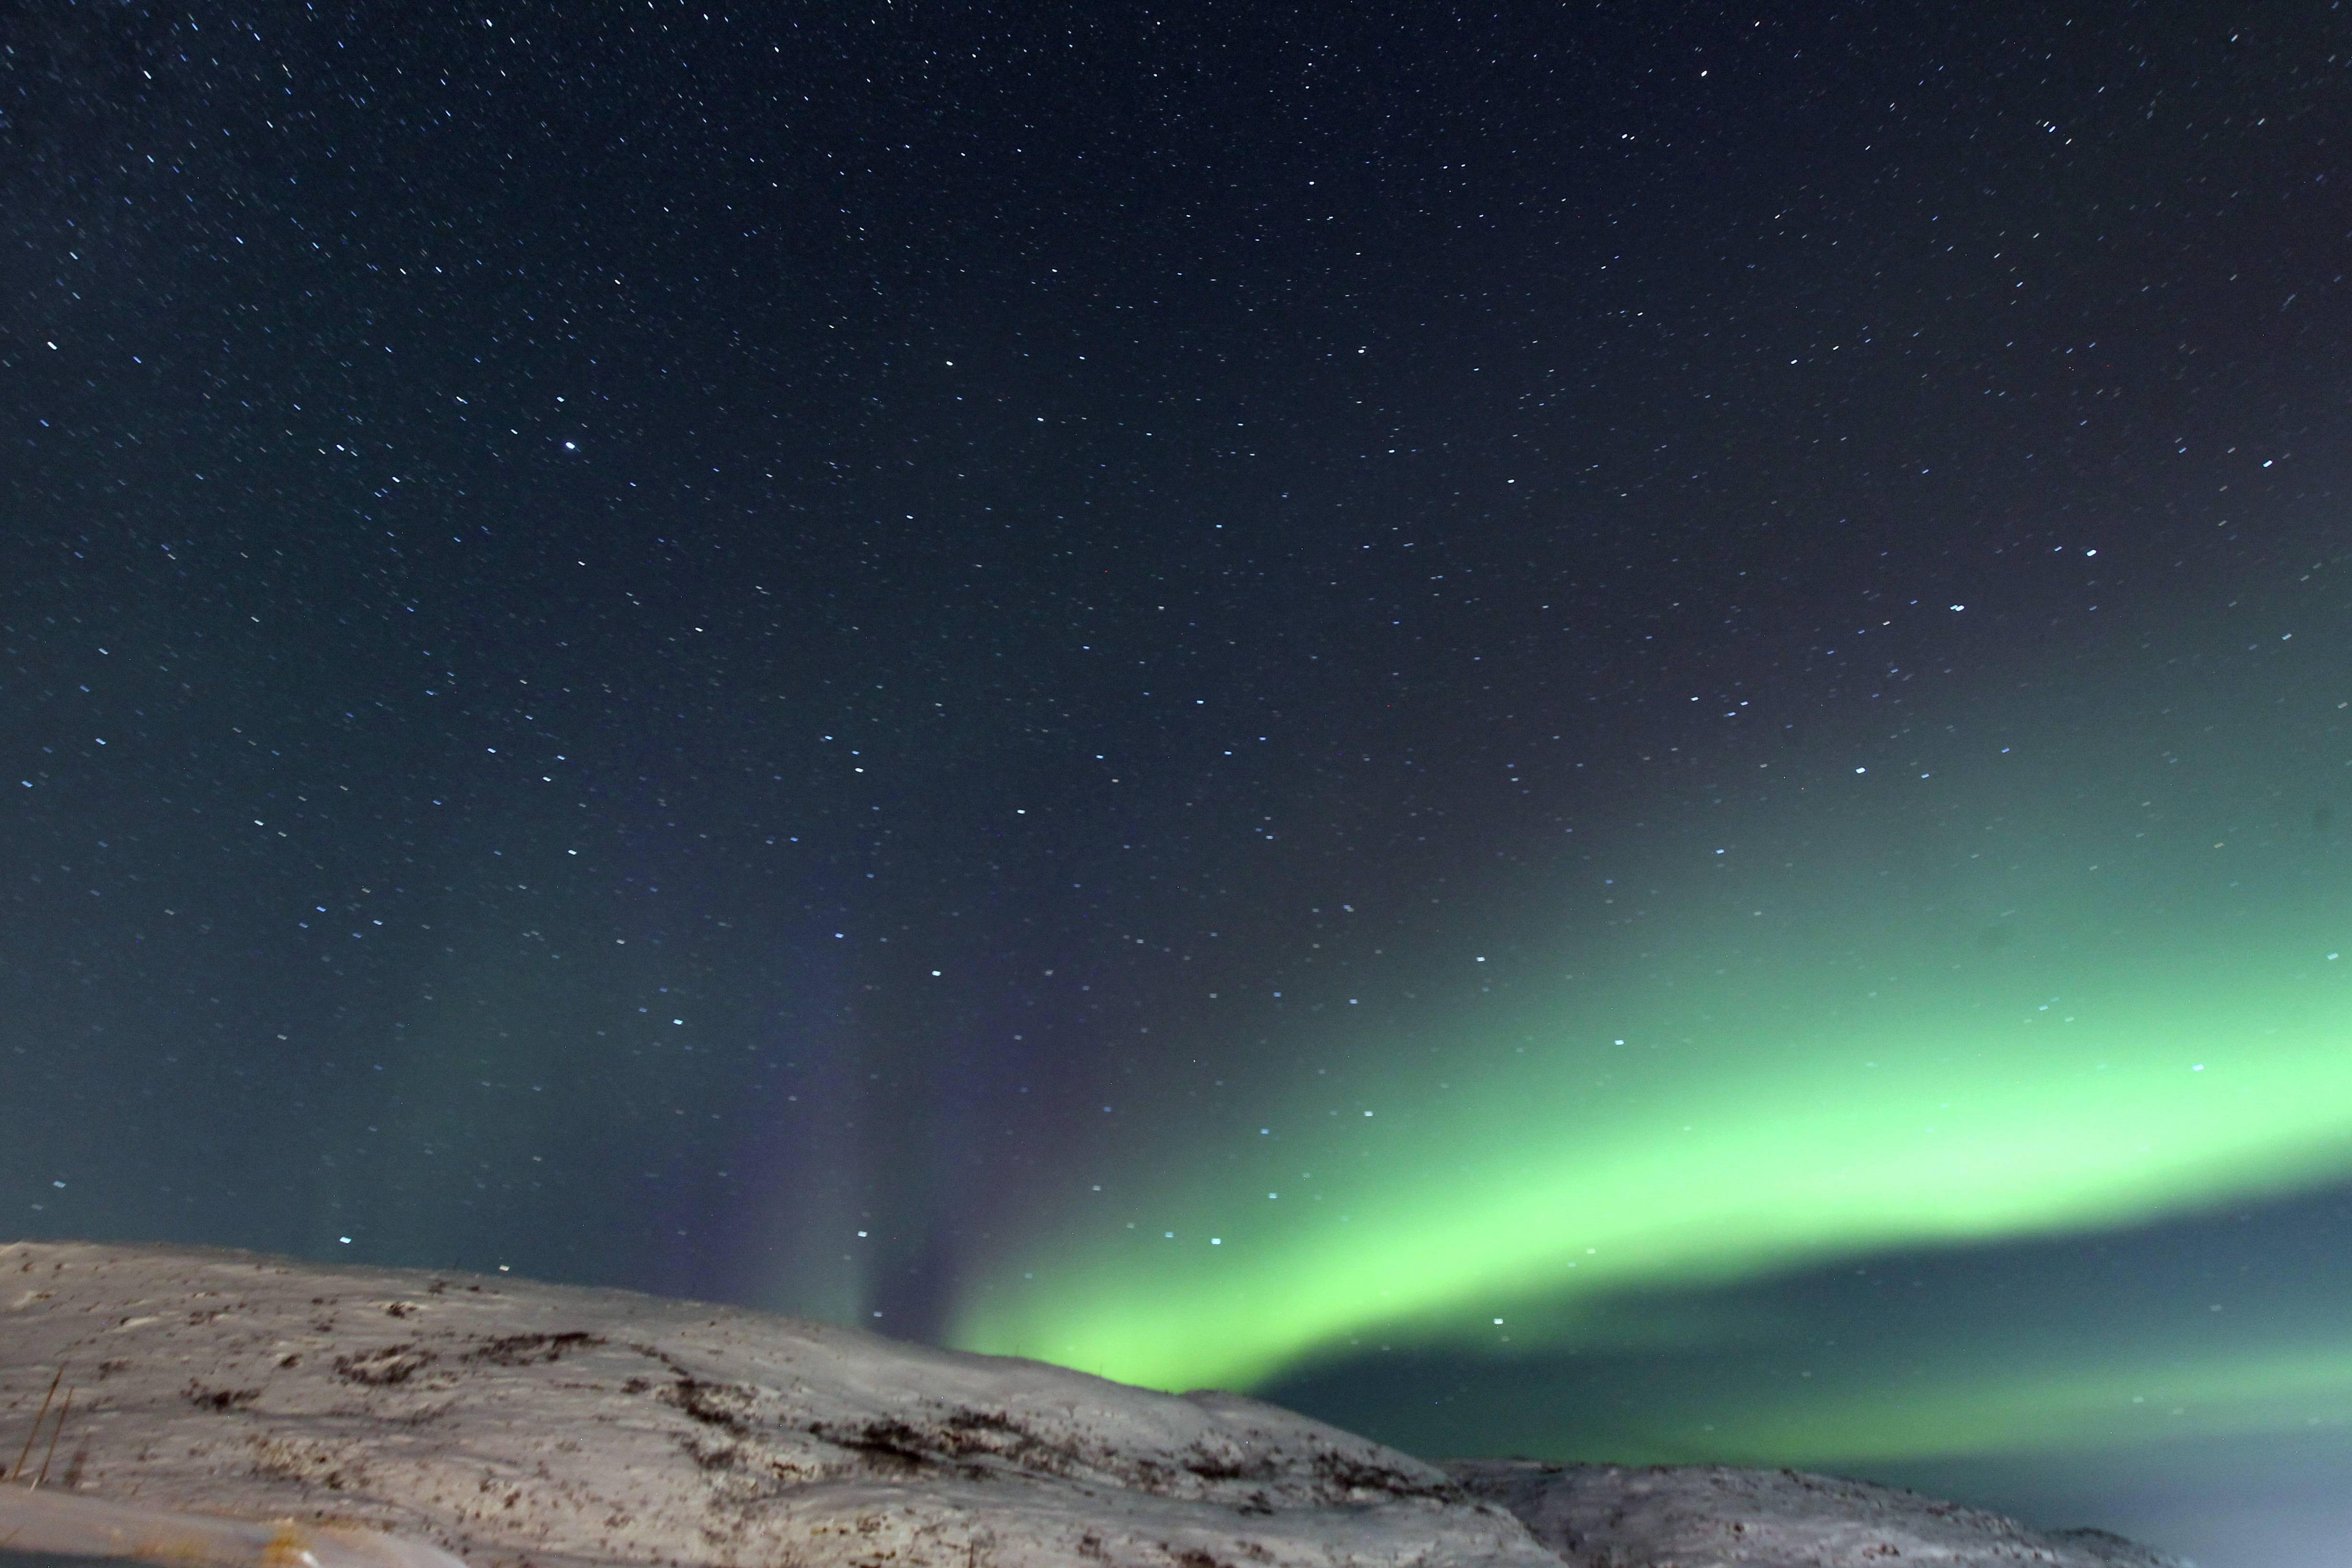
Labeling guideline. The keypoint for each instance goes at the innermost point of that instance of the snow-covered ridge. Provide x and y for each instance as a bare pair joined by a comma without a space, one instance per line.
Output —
513,1423
517,1425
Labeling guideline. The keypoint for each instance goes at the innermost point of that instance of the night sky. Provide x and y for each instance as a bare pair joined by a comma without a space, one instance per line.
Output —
1600,731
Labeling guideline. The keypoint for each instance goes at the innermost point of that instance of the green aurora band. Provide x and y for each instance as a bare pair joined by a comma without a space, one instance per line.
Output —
1535,1191
2047,1408
1944,1029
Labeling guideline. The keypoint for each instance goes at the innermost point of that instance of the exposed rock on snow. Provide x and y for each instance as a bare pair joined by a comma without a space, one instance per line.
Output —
525,1425
1709,1515
514,1424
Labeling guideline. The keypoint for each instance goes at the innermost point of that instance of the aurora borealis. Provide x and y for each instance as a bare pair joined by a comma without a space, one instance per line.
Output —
1570,733
2122,1007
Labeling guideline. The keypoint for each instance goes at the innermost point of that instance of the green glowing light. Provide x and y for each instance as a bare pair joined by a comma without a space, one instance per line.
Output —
2042,1409
1743,1105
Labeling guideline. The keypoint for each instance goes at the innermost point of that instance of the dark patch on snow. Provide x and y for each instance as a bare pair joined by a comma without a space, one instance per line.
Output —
204,1398
386,1367
530,1350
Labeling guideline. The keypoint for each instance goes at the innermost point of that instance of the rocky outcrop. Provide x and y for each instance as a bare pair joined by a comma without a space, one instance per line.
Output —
1649,1516
518,1425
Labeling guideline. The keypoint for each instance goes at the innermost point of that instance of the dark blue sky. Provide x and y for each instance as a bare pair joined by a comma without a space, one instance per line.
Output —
729,652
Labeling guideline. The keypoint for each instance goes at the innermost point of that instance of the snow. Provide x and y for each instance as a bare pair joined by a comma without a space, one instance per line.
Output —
518,1425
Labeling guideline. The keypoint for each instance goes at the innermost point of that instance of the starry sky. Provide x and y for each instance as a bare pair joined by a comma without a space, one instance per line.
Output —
1591,730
